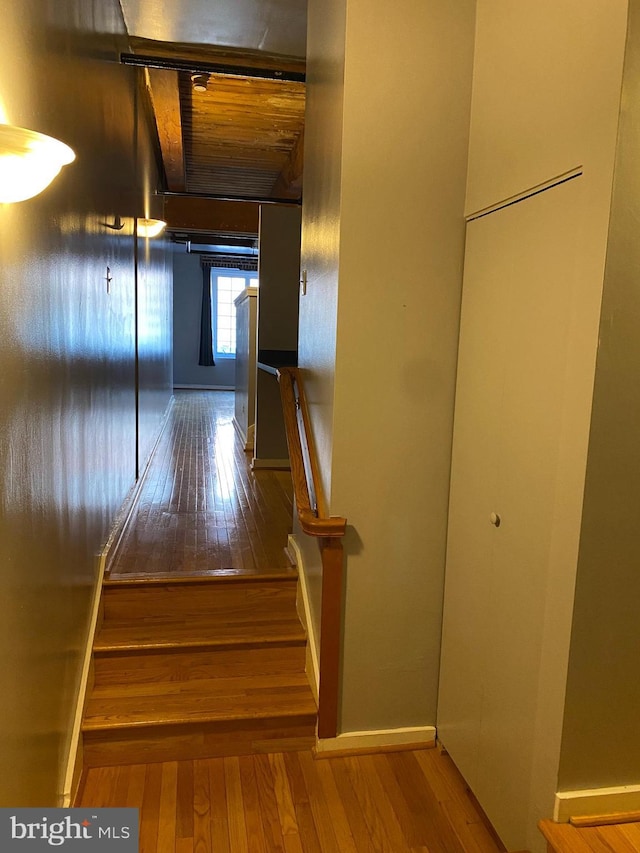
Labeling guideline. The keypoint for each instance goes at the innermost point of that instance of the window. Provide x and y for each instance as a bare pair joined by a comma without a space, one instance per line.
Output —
225,286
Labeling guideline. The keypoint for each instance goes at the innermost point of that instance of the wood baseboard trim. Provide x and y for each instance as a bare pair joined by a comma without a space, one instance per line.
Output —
273,464
389,740
606,819
596,801
303,607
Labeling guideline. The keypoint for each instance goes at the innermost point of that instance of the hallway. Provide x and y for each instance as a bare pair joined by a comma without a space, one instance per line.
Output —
201,508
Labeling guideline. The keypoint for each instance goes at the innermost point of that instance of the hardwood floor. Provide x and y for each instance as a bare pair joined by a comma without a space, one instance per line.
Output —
199,674
563,838
200,651
201,507
289,802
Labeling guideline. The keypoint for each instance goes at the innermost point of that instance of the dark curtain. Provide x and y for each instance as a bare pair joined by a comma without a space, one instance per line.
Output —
206,331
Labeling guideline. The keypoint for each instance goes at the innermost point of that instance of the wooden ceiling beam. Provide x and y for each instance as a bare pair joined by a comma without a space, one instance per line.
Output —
201,214
289,182
165,97
198,55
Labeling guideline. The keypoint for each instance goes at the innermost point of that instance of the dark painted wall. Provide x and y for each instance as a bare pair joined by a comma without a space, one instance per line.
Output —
155,297
67,365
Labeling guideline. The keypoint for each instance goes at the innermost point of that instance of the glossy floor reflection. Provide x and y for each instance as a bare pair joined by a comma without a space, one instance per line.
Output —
201,507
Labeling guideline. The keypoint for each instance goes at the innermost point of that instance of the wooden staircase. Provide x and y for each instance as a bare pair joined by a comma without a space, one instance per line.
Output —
200,666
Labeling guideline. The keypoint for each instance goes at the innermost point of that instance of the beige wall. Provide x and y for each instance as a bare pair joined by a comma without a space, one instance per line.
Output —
542,78
382,238
67,377
601,736
546,100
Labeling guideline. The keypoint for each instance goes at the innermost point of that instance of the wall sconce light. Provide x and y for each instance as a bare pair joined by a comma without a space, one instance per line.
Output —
150,227
200,81
118,224
29,161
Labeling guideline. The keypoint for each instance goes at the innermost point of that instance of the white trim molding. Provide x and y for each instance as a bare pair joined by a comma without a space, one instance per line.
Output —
312,667
274,464
240,431
204,387
251,432
74,763
104,561
247,440
596,801
348,742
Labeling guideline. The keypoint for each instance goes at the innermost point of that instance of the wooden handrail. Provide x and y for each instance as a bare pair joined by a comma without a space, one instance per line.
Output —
328,530
302,457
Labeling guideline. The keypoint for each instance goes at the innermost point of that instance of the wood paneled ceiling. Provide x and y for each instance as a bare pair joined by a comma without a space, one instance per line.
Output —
242,137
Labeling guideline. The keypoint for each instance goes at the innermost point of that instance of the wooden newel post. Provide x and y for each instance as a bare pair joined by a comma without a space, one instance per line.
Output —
330,636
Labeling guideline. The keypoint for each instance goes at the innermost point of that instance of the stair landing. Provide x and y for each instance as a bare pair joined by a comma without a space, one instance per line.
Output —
200,507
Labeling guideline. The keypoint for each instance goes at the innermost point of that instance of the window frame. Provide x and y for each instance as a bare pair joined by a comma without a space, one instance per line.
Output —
226,272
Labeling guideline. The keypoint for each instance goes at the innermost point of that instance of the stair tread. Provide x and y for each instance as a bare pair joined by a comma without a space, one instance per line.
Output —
212,576
183,632
209,663
221,602
182,664
240,698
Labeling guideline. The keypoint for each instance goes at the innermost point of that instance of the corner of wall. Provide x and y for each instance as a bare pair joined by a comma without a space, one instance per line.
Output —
303,606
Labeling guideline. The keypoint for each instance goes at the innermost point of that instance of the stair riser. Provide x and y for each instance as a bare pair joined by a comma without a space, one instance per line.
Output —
128,604
185,665
207,740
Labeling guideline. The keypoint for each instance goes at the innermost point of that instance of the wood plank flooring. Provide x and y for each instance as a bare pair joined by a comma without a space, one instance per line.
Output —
200,651
192,668
195,628
289,802
201,507
563,838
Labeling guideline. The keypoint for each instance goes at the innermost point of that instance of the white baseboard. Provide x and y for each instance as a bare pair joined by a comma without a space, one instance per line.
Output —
312,667
204,387
74,762
386,740
247,440
277,464
596,801
250,442
347,742
123,516
240,431
104,562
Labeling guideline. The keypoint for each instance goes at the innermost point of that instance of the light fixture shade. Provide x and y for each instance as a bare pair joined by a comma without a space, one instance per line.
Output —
29,161
150,227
